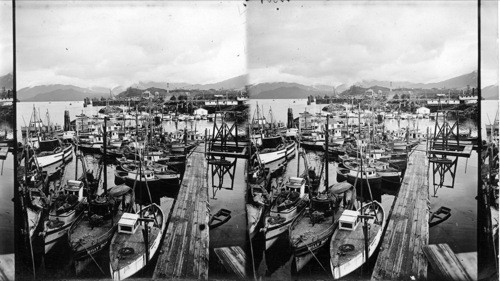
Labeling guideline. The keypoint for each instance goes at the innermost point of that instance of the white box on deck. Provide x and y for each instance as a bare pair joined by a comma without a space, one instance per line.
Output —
348,220
128,223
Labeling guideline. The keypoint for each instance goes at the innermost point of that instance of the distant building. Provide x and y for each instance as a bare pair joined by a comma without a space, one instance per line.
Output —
423,110
147,95
201,112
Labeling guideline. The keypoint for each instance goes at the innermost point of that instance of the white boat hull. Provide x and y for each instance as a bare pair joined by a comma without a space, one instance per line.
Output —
273,232
270,157
44,161
52,236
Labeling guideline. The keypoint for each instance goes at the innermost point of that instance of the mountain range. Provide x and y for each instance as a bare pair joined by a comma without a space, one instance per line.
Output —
276,90
282,90
7,81
490,92
58,92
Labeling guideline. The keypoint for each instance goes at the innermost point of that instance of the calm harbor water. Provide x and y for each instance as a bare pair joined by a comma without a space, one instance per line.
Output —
7,205
459,231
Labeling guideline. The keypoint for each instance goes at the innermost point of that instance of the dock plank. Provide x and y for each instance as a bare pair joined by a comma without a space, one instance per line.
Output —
184,252
233,259
7,267
469,261
444,261
400,258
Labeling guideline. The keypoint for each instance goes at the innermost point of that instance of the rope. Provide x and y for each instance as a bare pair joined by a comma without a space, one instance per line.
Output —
95,261
317,259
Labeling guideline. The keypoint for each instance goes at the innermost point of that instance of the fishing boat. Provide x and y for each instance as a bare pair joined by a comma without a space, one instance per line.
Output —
257,197
153,173
275,148
52,151
314,226
286,206
65,209
348,243
136,242
35,204
95,227
355,174
391,176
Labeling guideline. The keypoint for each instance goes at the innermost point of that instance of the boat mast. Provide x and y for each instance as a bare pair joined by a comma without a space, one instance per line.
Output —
105,139
326,153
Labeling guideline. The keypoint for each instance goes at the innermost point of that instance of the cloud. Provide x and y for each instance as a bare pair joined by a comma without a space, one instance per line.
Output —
6,40
489,43
335,42
120,43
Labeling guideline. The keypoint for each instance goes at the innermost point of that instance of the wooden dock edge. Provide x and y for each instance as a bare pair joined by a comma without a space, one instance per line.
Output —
7,267
448,265
234,260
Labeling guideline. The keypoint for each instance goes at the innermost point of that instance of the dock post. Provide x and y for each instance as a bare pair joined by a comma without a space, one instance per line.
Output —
66,120
289,123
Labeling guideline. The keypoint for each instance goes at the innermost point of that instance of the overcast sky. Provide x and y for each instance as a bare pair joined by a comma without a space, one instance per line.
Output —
6,37
318,42
114,43
489,43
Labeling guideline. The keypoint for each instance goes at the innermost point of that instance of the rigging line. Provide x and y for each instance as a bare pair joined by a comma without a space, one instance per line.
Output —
95,261
317,259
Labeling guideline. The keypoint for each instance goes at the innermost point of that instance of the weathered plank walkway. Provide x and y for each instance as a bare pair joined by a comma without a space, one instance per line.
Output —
448,265
7,267
234,260
401,254
184,253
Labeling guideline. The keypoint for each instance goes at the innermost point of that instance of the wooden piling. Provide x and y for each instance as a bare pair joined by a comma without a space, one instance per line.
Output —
184,253
66,120
401,255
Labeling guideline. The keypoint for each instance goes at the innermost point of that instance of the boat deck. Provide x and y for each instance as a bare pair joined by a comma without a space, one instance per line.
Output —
304,232
401,255
86,234
184,253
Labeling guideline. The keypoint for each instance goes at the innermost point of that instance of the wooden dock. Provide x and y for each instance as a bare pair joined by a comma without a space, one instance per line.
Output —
184,253
451,266
7,267
401,255
234,260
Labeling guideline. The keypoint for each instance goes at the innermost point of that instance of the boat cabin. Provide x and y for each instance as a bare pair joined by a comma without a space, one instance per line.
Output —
298,185
349,220
74,187
128,223
146,175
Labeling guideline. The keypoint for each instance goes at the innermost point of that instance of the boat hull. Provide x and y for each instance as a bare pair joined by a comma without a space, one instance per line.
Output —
54,235
65,155
140,261
269,157
350,261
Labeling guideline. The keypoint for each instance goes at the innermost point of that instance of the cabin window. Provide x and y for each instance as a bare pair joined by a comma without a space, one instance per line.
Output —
126,228
346,225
